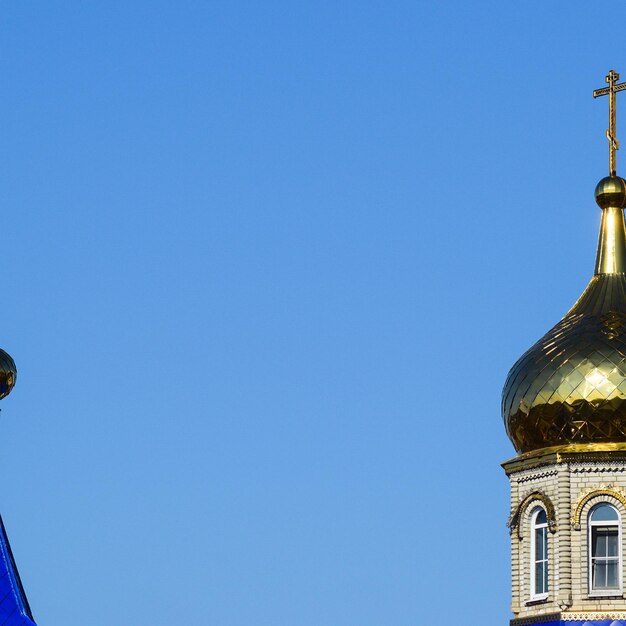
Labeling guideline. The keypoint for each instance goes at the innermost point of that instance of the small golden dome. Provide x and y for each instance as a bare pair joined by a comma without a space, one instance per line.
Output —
570,387
8,374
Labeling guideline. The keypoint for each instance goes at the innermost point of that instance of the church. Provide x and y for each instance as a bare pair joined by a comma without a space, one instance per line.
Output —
564,409
14,608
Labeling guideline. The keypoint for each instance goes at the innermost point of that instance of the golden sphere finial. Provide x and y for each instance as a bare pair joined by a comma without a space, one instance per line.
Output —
611,192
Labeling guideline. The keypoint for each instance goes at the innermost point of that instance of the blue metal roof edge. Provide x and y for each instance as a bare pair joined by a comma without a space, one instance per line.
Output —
20,614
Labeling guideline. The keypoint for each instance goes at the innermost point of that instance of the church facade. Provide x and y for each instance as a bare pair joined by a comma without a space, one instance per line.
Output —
564,408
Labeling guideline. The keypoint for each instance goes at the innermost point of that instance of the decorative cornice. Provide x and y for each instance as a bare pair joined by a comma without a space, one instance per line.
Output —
597,467
533,496
604,490
531,475
591,615
567,616
572,453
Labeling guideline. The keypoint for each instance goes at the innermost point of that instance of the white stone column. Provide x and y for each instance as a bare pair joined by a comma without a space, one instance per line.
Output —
515,552
563,539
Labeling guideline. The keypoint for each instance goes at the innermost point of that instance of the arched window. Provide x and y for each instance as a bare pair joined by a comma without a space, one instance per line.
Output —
539,555
605,554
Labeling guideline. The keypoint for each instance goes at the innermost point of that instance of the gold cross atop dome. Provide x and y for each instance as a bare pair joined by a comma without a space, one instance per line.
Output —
611,78
569,389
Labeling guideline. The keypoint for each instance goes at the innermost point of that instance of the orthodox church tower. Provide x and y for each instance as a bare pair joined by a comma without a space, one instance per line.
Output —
564,408
14,608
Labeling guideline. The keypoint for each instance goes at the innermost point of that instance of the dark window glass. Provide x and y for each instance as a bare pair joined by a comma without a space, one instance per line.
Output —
540,554
604,513
604,557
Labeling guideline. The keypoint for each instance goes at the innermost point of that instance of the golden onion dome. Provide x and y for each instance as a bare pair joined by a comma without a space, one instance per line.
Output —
570,387
8,374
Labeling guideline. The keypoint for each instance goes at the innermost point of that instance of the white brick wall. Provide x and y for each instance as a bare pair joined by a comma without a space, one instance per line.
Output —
566,484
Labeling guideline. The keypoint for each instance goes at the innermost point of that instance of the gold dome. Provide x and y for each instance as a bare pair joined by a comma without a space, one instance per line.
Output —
570,387
8,374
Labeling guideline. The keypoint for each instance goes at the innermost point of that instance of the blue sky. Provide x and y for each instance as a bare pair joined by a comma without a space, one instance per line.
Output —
266,268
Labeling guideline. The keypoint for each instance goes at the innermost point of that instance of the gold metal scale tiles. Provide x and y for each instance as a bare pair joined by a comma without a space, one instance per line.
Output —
570,387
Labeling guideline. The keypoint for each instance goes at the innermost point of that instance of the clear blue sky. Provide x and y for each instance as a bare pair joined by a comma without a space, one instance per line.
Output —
267,265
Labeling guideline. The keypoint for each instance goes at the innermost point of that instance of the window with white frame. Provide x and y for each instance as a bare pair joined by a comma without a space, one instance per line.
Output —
605,554
539,555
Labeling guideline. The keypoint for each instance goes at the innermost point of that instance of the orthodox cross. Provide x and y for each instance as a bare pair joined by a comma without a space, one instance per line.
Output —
612,77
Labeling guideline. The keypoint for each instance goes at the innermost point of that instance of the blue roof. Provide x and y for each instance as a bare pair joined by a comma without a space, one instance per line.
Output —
14,609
